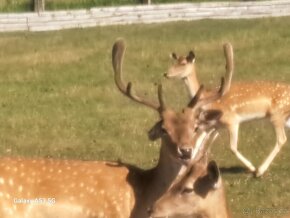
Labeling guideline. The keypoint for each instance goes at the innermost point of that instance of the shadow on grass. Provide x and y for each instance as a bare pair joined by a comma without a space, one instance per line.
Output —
233,170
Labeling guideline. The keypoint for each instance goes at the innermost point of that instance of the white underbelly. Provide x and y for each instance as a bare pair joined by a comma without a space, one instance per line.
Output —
287,123
251,116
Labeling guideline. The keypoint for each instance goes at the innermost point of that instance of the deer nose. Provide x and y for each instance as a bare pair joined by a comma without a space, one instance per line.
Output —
150,211
165,75
185,153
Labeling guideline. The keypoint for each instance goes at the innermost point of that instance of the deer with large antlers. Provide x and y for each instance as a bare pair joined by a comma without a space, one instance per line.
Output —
198,192
181,141
242,101
46,188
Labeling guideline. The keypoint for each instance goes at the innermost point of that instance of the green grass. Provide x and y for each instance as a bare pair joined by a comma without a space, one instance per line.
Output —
69,4
16,6
58,98
27,5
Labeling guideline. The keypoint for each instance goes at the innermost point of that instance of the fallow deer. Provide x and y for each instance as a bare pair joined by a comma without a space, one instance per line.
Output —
184,69
181,141
244,101
199,193
47,188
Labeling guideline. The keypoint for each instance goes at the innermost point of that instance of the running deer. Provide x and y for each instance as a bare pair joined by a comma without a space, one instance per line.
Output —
242,102
47,188
198,193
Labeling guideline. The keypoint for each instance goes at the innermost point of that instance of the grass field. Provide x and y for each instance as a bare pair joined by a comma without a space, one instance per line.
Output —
58,98
27,5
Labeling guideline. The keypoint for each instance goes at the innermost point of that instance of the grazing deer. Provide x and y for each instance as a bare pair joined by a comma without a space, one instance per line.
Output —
46,188
244,101
198,193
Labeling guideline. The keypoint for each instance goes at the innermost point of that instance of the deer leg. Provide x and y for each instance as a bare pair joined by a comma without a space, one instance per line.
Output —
280,141
234,132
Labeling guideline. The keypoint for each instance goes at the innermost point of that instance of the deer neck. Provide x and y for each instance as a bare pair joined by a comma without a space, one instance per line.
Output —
166,171
192,83
167,168
154,183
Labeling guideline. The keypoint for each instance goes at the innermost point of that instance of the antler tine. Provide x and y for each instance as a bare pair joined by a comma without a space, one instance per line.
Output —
229,55
160,98
196,102
196,98
213,97
221,90
209,140
118,52
211,137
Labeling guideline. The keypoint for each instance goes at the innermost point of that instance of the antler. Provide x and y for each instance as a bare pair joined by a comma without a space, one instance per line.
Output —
229,55
210,139
207,142
118,52
196,98
225,83
196,102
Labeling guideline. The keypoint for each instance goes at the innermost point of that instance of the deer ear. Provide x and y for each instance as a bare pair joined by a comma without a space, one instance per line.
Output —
210,115
156,131
213,174
173,56
190,57
208,118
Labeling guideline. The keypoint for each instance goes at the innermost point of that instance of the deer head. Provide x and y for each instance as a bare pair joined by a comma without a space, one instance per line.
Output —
179,132
183,67
198,193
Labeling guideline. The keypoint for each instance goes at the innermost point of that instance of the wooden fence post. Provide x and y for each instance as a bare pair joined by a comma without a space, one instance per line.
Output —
148,2
39,5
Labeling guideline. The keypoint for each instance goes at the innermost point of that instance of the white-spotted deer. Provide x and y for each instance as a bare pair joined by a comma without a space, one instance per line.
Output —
243,101
199,193
46,188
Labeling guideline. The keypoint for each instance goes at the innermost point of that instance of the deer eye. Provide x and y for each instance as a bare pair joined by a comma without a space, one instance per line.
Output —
187,191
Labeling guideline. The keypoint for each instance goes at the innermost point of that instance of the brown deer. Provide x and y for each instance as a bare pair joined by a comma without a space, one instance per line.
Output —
244,101
47,188
184,69
198,193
